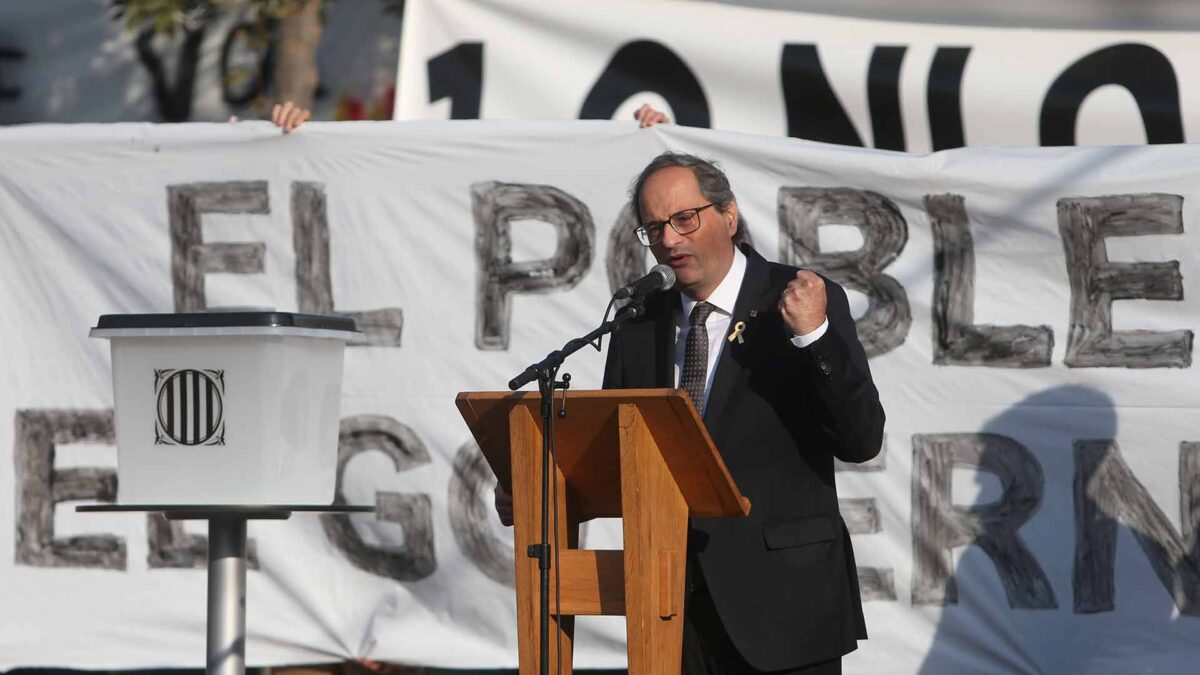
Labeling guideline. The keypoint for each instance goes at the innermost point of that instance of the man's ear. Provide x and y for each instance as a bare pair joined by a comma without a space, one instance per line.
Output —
731,219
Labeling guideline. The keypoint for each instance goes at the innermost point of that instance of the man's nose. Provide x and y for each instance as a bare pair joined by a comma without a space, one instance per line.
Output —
670,237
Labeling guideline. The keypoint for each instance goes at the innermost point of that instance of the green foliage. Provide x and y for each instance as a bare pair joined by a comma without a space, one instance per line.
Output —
168,17
165,16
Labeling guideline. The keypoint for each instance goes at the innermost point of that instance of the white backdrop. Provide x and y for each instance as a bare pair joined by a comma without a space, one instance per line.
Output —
779,72
87,226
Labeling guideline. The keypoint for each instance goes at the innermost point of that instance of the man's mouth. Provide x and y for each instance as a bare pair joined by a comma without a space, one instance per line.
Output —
679,259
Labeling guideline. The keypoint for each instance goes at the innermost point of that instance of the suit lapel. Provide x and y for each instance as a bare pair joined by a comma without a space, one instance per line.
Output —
649,343
753,303
664,340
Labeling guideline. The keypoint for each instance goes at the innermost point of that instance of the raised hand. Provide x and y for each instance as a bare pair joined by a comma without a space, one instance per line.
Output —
648,117
288,116
803,303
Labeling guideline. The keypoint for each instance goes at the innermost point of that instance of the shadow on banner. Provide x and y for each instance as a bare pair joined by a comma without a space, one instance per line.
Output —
1036,587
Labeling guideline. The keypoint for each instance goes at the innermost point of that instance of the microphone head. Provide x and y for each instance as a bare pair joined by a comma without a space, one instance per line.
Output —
667,274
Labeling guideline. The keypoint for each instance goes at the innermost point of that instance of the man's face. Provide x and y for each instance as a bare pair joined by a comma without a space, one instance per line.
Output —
702,258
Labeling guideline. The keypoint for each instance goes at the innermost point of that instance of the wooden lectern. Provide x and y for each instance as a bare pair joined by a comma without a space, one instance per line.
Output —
642,455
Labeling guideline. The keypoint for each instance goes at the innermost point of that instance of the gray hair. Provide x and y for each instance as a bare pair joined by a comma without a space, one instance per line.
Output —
714,185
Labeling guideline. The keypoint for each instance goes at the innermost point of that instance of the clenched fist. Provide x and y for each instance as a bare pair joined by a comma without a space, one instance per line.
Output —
803,303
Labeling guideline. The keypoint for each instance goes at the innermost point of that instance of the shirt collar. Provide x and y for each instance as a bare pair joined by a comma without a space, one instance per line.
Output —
724,297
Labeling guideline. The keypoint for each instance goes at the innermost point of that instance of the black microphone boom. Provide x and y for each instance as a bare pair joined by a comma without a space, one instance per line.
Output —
659,278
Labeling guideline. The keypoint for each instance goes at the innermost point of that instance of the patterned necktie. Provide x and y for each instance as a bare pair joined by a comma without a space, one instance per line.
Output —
695,355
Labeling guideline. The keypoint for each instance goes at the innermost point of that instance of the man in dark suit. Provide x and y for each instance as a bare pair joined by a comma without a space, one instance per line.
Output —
771,357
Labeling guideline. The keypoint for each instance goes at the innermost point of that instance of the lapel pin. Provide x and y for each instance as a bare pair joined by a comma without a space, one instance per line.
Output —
738,329
753,313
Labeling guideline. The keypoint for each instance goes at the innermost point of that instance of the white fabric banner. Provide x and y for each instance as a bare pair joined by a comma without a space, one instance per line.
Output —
1030,315
884,84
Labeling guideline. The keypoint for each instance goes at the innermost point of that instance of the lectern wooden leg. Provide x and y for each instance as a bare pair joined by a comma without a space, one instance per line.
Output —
526,447
655,531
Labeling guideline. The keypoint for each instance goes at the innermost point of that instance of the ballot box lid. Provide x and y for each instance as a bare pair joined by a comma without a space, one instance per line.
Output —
225,323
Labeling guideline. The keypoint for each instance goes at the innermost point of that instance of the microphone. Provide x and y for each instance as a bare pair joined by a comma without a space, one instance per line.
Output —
659,278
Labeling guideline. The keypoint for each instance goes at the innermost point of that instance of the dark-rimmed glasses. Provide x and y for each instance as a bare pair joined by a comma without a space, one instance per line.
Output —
686,221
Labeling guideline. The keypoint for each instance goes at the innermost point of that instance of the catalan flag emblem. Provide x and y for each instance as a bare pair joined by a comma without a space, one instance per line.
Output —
190,407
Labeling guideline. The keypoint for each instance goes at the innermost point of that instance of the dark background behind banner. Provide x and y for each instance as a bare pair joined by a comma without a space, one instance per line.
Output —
71,61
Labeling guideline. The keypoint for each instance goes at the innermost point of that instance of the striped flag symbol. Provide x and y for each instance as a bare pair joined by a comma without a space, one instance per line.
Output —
189,405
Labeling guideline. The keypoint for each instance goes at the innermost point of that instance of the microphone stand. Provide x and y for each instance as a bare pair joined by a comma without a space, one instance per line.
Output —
545,372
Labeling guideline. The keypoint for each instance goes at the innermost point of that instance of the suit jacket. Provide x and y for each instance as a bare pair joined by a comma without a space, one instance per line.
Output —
783,580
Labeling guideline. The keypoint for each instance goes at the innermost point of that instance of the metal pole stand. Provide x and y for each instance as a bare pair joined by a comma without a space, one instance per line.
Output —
226,644
226,596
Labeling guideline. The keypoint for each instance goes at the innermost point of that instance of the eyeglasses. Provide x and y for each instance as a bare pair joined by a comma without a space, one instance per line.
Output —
686,221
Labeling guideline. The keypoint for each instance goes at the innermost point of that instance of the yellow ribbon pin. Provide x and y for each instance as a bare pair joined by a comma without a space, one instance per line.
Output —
738,329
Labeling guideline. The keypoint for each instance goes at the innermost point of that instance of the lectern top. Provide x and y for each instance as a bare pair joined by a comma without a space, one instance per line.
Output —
588,442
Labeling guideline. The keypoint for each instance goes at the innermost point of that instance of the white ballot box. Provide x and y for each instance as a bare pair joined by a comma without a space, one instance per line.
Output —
226,408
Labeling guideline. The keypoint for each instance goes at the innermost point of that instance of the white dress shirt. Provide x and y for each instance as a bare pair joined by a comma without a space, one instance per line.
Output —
723,299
